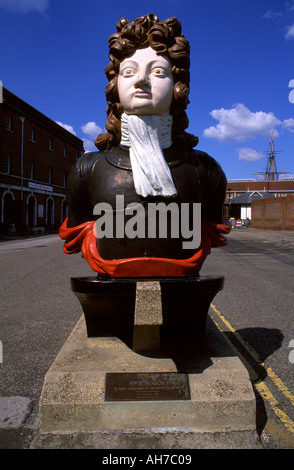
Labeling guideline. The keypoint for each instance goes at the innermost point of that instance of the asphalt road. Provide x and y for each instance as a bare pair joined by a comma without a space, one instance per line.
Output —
255,312
38,312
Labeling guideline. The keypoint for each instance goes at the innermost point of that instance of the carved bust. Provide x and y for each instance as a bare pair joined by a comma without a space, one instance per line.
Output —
146,158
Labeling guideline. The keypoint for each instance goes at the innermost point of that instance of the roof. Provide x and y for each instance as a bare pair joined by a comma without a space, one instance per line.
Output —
21,107
248,197
283,185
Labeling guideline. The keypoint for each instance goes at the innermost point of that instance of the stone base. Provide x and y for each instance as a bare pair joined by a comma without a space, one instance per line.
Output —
74,413
174,438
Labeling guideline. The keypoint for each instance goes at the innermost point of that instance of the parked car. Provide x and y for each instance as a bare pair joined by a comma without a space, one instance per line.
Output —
236,223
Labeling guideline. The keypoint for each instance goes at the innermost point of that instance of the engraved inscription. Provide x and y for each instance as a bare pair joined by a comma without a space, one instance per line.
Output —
147,386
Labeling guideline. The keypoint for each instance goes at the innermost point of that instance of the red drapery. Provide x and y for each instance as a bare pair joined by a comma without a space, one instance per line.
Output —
82,238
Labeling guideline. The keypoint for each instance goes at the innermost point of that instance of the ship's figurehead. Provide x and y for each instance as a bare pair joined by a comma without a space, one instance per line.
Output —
146,204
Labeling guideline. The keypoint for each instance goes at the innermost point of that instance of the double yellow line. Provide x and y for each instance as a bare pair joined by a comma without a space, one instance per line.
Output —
258,383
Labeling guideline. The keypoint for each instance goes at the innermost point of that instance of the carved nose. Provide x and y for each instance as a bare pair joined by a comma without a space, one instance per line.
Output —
142,79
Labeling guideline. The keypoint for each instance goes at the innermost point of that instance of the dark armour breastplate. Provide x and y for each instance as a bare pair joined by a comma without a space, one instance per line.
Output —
111,182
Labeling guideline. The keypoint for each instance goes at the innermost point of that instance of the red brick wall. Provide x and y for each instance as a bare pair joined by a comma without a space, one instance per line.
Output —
279,186
274,214
43,158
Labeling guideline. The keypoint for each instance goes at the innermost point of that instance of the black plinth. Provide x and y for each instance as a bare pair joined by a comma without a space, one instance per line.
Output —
109,305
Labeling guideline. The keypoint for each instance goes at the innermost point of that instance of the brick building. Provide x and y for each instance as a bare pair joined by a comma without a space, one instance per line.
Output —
274,214
36,155
279,188
238,190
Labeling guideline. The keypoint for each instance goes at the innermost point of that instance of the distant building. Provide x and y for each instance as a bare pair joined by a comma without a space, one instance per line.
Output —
240,206
36,155
241,190
275,213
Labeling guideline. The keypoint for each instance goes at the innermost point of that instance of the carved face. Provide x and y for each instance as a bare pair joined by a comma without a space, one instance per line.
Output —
145,83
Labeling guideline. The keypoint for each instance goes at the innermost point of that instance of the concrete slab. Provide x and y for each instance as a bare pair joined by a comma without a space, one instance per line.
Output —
13,411
147,317
74,413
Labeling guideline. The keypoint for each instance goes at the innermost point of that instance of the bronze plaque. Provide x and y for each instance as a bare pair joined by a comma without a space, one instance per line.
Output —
147,386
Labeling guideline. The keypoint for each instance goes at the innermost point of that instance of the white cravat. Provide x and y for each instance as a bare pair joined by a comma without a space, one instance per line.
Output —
146,136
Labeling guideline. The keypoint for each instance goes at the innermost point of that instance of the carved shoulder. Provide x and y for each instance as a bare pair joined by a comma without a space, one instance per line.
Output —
214,183
79,207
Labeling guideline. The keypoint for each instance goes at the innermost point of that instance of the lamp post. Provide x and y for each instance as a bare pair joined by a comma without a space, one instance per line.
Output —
22,118
229,201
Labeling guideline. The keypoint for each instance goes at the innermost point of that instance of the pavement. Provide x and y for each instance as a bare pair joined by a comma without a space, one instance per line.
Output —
39,312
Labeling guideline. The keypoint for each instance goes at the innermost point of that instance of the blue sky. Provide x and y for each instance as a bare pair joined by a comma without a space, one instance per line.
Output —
54,52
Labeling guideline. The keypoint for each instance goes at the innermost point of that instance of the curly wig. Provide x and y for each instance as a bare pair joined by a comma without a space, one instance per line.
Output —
166,38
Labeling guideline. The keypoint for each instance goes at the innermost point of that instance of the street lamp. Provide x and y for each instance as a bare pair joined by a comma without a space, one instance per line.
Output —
22,118
229,201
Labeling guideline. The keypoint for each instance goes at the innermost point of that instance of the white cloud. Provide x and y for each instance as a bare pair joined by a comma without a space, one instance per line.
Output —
67,127
270,15
249,155
89,145
92,129
289,124
286,176
24,6
290,32
240,124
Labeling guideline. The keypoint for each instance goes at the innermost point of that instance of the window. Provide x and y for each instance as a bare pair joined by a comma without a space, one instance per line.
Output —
32,135
50,143
7,163
8,122
50,174
65,151
31,170
64,179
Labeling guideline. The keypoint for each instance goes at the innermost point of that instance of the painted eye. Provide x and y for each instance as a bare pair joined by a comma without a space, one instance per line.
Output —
159,72
128,72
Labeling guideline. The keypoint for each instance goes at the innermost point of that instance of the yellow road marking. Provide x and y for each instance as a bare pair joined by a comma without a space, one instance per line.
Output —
277,381
268,396
280,384
279,433
260,385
